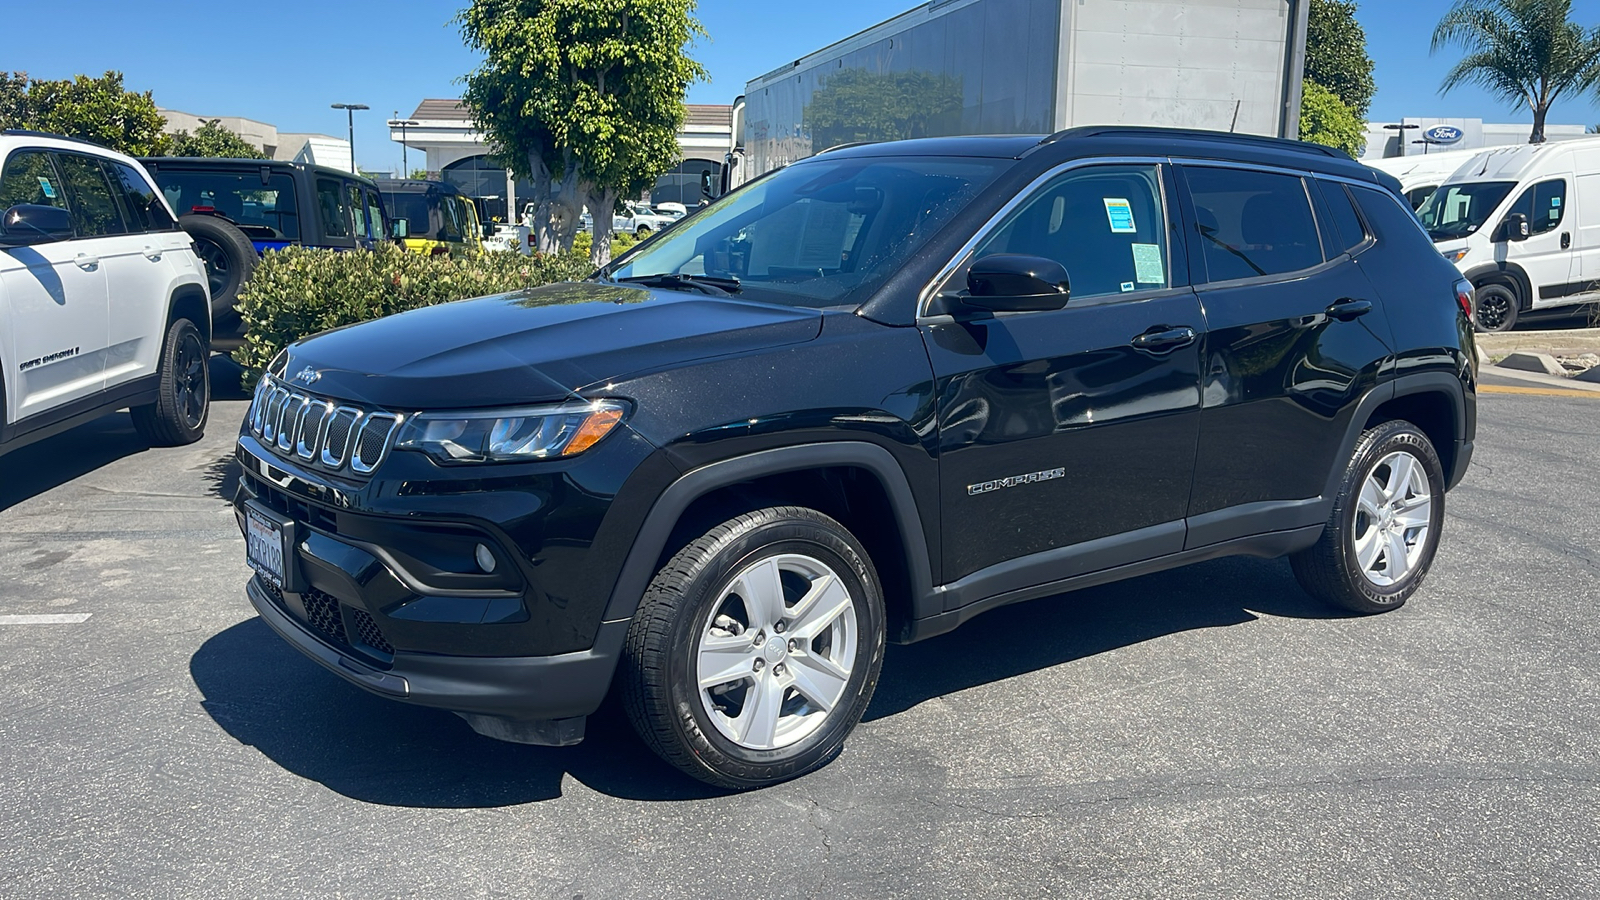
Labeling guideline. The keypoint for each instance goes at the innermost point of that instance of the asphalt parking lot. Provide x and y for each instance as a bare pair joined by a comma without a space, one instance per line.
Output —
1208,732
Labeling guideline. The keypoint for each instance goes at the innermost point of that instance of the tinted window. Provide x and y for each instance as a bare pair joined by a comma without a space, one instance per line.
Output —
1544,204
30,178
1106,225
1418,196
1347,230
414,209
375,215
262,210
1253,223
94,206
358,209
1390,220
815,232
148,212
332,209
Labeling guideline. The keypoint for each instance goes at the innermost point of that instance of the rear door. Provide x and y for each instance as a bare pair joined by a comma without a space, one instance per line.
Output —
1294,336
1073,428
55,294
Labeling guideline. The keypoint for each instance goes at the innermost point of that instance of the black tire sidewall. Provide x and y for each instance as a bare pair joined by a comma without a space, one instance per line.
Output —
691,721
1398,436
235,245
1510,298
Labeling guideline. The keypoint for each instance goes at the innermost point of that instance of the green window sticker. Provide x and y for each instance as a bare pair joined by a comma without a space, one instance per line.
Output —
1120,214
1147,266
48,188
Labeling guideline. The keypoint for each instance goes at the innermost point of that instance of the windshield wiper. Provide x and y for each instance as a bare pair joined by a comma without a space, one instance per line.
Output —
706,284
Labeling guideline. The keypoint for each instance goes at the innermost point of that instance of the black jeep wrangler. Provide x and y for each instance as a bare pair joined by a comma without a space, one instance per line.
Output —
237,209
860,400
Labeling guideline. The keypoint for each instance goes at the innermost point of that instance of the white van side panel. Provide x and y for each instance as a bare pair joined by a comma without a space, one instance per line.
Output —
1587,239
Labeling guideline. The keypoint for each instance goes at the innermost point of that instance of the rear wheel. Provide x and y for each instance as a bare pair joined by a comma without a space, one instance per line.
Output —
183,399
756,649
1381,538
1494,308
642,232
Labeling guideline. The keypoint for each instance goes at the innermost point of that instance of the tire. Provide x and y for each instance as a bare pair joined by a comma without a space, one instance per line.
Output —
183,402
228,256
1494,308
693,614
1338,569
642,232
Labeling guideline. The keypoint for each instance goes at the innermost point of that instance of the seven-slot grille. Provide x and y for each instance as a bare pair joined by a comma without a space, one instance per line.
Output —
323,432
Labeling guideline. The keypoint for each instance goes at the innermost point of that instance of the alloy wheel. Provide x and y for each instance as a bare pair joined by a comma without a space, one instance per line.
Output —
1393,515
189,381
774,655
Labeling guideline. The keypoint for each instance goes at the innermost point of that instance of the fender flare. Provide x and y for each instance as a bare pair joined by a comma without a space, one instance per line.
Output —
640,565
1509,270
1406,385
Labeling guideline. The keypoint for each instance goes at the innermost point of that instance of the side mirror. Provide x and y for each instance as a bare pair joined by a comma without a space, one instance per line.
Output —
1009,282
400,229
705,183
1515,228
27,223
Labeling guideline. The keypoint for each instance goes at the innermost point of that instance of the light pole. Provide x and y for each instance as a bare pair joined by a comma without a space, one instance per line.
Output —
405,167
1402,128
350,121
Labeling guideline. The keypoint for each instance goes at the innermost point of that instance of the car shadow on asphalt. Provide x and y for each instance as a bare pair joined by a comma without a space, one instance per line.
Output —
44,466
267,695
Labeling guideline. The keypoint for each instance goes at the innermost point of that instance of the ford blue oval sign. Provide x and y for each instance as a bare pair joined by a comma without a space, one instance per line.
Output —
1443,134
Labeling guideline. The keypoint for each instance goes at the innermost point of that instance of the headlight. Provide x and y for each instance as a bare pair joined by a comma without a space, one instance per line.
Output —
1456,255
510,435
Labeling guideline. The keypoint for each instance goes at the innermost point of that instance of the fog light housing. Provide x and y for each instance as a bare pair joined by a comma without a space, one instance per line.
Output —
485,558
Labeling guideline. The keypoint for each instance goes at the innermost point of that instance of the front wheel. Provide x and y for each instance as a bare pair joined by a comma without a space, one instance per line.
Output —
1380,540
756,649
183,398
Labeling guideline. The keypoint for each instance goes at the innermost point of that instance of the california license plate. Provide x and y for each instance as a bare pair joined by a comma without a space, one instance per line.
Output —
263,542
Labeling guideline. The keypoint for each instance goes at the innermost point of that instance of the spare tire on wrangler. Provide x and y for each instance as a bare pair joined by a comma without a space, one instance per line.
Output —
228,255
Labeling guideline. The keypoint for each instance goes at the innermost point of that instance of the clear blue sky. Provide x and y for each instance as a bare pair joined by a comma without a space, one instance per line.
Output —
264,62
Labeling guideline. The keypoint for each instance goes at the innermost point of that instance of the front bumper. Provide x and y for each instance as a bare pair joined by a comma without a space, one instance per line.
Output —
512,689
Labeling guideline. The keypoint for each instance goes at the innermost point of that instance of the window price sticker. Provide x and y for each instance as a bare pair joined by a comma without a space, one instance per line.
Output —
1120,214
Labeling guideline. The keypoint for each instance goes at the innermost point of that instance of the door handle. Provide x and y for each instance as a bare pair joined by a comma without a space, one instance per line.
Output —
87,262
1162,339
1348,310
152,253
1566,240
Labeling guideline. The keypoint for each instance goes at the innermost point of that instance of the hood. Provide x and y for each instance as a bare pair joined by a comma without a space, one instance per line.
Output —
534,346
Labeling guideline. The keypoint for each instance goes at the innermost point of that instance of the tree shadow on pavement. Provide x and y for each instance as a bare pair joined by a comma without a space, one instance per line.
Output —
309,721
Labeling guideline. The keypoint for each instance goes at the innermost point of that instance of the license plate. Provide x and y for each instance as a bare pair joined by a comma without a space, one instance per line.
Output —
263,542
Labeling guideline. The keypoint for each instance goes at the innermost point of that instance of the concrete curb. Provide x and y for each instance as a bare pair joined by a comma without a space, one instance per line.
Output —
1536,378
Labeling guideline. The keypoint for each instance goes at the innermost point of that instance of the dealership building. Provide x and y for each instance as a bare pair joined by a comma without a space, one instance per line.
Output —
1418,136
455,151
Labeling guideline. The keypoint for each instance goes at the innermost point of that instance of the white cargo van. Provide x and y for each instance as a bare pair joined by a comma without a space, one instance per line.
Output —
1421,174
1523,224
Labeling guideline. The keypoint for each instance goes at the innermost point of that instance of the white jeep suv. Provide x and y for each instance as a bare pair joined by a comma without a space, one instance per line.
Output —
103,304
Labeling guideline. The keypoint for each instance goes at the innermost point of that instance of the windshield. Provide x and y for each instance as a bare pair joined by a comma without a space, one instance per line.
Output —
1457,210
813,233
262,211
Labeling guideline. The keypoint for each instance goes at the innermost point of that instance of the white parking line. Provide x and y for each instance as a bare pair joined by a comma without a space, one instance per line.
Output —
56,619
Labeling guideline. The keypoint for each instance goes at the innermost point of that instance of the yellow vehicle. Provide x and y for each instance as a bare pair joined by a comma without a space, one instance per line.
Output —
438,218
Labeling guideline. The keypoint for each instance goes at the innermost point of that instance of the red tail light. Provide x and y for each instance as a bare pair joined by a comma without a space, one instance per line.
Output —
202,209
1464,297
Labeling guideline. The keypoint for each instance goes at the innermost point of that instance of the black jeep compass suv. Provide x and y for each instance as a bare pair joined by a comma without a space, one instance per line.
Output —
863,399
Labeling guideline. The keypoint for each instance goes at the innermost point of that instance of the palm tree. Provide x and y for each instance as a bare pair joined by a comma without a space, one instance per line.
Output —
1525,52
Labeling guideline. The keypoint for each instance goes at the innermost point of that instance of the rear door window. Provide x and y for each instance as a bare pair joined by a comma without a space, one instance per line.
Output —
1252,224
1106,224
332,208
1343,231
95,208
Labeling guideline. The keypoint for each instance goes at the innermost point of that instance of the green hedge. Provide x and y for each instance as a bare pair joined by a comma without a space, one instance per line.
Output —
298,292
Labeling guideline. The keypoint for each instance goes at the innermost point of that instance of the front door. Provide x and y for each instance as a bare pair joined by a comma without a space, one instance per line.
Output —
55,293
1547,255
1072,430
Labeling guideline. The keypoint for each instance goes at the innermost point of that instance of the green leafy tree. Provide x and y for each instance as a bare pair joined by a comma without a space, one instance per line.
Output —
857,105
1329,121
1525,52
93,109
212,140
1336,54
583,97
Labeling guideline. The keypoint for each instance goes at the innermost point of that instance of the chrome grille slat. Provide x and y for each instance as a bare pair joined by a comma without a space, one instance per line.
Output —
314,429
